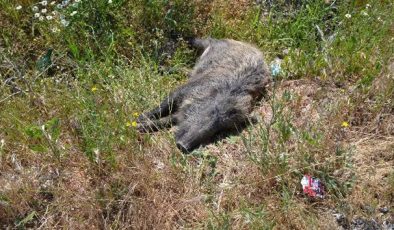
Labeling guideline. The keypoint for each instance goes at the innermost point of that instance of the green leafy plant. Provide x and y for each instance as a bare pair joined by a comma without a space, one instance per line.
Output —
45,137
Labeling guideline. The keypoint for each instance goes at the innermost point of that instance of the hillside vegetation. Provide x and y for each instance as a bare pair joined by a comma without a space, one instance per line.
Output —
75,75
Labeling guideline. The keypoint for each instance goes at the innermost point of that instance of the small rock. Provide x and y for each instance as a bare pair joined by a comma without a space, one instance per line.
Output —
384,210
387,225
341,220
339,216
360,223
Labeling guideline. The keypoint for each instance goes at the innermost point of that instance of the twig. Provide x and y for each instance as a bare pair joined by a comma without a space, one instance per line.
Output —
9,96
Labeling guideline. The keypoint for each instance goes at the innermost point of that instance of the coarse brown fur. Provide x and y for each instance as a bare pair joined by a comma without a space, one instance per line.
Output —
222,89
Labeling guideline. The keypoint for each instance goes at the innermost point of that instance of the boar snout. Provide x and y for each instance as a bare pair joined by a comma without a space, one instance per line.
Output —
190,137
191,140
184,148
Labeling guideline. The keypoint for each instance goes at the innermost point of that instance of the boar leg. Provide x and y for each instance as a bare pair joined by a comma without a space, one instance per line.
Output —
155,125
169,105
166,107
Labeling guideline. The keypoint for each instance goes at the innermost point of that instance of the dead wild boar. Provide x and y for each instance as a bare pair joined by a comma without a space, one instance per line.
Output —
229,77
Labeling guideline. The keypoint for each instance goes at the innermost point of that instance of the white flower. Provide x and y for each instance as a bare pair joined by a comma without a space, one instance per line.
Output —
44,3
35,8
367,6
54,12
73,13
55,30
348,15
109,1
64,22
41,18
364,13
53,3
37,15
59,6
49,17
44,11
18,7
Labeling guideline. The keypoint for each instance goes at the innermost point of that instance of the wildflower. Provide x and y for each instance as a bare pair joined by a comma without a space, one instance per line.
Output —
136,114
44,3
2,142
64,22
73,13
35,8
49,17
59,6
44,11
128,124
367,6
134,124
41,18
345,124
364,13
275,67
348,15
18,7
53,3
55,30
94,89
37,15
65,2
109,1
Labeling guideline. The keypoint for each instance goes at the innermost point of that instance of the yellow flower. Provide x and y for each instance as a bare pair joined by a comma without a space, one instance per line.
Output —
128,124
134,124
94,89
135,114
345,124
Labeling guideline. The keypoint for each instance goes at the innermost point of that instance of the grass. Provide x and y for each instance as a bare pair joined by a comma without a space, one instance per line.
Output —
71,158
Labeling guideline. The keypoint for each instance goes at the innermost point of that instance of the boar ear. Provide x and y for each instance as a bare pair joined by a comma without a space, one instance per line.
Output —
256,91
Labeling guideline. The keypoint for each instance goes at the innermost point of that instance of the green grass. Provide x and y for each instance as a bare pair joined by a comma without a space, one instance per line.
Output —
70,156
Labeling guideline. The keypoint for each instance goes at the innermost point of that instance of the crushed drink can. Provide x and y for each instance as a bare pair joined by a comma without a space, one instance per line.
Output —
312,186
